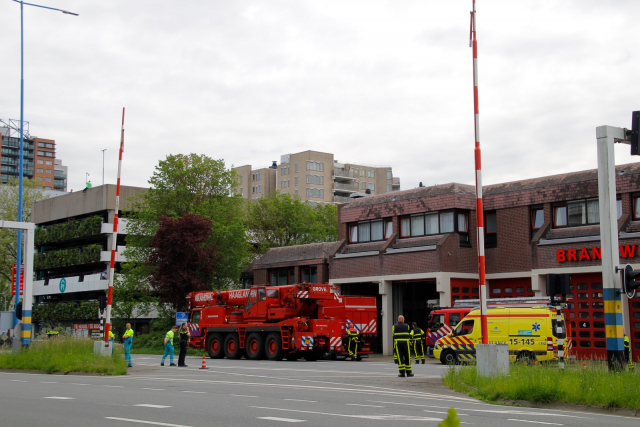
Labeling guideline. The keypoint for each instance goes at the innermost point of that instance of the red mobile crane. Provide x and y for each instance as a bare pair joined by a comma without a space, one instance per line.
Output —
279,322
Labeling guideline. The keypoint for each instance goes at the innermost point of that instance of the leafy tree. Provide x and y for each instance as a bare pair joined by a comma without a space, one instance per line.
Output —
281,220
32,192
189,184
182,257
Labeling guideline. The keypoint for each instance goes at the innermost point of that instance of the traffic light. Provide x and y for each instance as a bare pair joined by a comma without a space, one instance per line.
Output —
630,281
102,302
634,133
558,284
19,310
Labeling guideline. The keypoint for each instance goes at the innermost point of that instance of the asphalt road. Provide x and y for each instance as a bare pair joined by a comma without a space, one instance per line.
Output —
260,393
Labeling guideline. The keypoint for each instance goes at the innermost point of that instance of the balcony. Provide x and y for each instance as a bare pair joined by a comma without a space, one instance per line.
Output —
342,174
60,175
340,187
395,185
340,199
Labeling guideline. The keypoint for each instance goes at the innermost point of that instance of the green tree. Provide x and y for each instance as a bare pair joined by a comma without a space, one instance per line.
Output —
32,192
198,185
281,220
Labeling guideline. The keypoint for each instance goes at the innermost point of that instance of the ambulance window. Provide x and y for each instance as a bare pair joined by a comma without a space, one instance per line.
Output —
600,305
601,344
465,328
195,317
598,324
454,319
598,315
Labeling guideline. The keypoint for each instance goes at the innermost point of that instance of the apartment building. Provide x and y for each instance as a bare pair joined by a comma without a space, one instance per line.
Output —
39,156
60,173
317,177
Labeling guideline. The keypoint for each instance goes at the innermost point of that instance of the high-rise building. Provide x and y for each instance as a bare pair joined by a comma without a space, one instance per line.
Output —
316,177
39,155
59,175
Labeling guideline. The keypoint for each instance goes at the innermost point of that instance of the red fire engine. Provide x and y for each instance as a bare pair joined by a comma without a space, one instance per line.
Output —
275,322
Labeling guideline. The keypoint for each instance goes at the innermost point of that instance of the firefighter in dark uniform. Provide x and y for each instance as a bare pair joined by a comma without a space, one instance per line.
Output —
402,340
353,337
417,336
184,343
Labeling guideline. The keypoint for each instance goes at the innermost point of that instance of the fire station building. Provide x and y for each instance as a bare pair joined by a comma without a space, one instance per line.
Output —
416,249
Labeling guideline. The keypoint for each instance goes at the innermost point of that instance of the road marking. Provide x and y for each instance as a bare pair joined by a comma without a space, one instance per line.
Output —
154,389
243,395
48,382
383,417
285,420
78,384
535,422
114,386
300,400
370,406
189,391
148,405
19,381
144,422
59,398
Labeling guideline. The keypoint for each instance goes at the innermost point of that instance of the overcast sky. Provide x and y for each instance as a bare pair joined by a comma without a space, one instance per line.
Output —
375,82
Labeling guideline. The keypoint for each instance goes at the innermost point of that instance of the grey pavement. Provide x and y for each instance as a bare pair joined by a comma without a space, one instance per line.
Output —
261,393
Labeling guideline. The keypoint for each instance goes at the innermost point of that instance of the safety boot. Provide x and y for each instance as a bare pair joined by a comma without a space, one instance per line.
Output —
423,361
409,374
401,375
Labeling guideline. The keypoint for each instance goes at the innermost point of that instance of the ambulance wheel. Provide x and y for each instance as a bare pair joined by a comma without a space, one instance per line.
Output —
448,358
254,346
273,347
215,346
524,356
232,347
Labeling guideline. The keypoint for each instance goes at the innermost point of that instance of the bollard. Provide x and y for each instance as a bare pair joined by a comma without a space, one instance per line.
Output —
535,363
204,363
584,366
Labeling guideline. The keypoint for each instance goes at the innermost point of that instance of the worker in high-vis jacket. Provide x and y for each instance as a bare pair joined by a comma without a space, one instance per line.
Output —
627,351
417,338
401,342
112,340
127,339
168,346
353,337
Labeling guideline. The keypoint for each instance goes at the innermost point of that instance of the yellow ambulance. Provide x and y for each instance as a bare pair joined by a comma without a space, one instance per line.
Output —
529,332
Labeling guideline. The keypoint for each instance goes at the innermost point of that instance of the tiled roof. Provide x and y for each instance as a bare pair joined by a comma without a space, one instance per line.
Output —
416,193
298,253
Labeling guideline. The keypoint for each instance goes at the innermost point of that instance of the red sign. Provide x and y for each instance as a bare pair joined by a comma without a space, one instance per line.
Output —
588,254
86,326
13,279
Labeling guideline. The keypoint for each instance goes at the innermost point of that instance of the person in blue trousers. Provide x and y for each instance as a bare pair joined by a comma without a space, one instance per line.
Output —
111,339
128,341
168,346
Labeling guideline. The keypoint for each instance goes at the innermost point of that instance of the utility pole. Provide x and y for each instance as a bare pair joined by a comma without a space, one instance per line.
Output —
103,165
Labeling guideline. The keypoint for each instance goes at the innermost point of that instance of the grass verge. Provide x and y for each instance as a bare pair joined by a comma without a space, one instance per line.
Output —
64,355
546,383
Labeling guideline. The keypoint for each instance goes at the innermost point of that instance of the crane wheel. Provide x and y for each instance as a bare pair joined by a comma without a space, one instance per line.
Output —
273,347
215,346
232,346
254,346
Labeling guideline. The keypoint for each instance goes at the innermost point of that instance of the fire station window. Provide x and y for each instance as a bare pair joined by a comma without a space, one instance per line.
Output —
560,216
636,305
583,287
465,290
366,231
353,233
598,295
405,227
575,213
309,274
462,223
508,290
583,305
455,290
573,325
573,334
585,343
596,286
475,291
446,222
601,344
599,334
388,229
636,315
537,218
454,319
636,325
583,296
584,324
377,230
585,334
417,225
598,324
583,315
465,328
636,207
431,221
598,315
519,290
496,290
599,305
491,230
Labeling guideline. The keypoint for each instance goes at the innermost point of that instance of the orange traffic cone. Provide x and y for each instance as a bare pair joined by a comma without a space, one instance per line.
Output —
204,363
584,366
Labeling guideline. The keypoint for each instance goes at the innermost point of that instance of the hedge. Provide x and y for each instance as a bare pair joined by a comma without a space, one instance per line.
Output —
68,230
64,311
65,257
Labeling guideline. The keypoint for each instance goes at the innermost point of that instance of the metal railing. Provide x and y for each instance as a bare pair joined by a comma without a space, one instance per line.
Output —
341,199
340,172
344,186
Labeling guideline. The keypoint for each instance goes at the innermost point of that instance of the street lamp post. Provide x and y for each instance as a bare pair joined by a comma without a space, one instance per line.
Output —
20,170
103,165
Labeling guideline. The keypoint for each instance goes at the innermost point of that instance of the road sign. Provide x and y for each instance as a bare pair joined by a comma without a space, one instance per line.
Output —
181,318
63,285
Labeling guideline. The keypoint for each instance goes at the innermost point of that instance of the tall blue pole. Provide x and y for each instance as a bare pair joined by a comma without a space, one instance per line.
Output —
20,166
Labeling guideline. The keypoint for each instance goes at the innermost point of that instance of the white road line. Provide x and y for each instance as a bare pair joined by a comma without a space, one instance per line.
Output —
78,384
383,417
300,400
154,389
243,395
535,422
144,422
189,391
369,406
48,382
19,381
59,398
114,386
148,405
284,420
